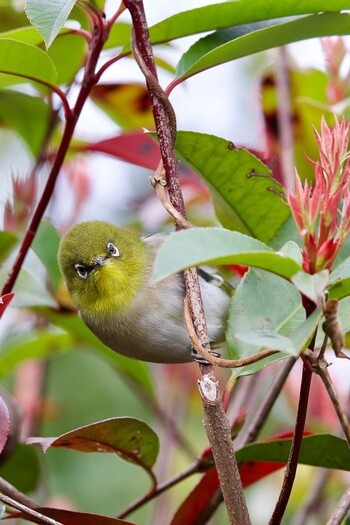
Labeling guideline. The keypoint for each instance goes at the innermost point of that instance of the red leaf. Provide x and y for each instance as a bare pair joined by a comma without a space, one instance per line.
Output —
252,471
4,424
4,301
198,499
136,148
68,517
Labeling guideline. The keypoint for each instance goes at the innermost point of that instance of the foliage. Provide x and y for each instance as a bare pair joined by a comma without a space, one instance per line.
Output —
285,251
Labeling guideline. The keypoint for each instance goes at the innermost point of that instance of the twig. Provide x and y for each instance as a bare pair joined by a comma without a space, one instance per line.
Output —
9,490
295,447
315,498
27,510
341,509
319,366
218,361
192,469
88,82
266,406
215,419
284,117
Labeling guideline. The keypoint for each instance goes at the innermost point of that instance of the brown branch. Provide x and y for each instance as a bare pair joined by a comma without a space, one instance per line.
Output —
266,406
215,419
192,469
284,117
218,361
315,500
9,490
341,509
320,367
27,510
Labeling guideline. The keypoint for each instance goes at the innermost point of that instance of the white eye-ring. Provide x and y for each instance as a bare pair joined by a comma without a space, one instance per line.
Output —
112,250
82,271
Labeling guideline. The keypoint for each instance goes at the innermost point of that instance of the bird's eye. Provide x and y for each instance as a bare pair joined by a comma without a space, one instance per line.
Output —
112,250
82,271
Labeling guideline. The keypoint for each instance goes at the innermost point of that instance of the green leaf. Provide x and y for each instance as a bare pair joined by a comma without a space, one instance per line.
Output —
7,241
28,115
67,53
292,250
326,24
292,345
22,469
26,61
132,439
41,345
319,450
45,245
339,281
313,286
28,35
242,195
136,371
263,302
198,246
228,14
119,35
49,16
267,339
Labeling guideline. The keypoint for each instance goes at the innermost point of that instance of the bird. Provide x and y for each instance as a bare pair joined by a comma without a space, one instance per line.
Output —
108,272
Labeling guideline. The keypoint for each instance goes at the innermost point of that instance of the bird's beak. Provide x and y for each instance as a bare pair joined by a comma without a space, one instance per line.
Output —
100,260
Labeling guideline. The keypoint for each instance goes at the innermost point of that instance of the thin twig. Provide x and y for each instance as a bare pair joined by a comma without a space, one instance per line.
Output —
192,469
27,510
315,498
284,116
11,491
341,509
266,406
320,367
292,464
218,361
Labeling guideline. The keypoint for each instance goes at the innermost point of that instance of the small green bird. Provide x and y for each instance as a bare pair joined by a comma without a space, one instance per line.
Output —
108,275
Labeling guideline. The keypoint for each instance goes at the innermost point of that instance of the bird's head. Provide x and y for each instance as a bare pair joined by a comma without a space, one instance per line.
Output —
104,267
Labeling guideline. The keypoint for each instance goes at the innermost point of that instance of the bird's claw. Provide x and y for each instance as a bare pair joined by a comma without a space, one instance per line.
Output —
196,356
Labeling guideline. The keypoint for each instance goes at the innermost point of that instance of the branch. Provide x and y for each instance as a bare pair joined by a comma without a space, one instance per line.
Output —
192,469
316,498
218,361
284,117
341,509
27,510
266,406
215,419
71,119
9,490
319,366
295,447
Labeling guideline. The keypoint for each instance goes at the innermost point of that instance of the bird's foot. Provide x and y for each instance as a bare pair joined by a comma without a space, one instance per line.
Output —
196,356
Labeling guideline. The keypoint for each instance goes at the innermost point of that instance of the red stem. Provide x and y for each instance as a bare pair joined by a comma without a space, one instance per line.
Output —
89,80
160,117
295,447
